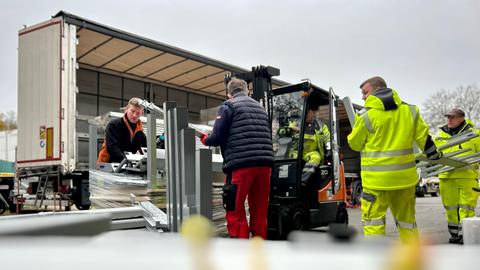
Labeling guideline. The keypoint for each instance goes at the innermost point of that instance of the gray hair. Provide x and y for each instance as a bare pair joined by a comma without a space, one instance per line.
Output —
236,85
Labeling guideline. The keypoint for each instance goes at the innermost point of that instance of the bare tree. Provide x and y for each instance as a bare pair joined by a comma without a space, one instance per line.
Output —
8,120
437,105
468,99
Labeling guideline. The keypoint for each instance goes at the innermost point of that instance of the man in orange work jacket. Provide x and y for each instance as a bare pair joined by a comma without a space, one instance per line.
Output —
124,134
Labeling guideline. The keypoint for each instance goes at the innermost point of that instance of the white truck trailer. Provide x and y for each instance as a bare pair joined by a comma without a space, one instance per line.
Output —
71,70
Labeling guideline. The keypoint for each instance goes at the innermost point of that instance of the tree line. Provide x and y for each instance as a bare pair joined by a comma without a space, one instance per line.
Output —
8,120
466,98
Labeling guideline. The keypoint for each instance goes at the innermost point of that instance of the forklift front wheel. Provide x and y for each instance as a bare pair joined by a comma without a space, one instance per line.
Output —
342,214
292,217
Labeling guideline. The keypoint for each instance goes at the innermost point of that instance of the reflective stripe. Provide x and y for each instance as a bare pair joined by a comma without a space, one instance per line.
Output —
406,225
454,228
463,206
373,222
468,207
367,122
388,167
453,231
390,153
451,224
413,111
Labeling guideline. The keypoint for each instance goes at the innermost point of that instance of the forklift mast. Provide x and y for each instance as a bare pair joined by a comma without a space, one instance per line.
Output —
261,79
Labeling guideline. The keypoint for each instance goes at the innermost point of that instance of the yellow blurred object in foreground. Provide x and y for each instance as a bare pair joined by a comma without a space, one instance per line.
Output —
406,257
197,229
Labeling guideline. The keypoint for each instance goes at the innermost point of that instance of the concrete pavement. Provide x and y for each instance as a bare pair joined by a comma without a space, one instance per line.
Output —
431,220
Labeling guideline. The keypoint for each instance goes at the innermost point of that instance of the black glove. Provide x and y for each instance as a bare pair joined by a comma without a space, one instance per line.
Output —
435,156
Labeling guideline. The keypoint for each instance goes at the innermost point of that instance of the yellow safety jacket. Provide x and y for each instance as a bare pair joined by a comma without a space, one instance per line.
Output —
442,137
315,139
385,134
314,142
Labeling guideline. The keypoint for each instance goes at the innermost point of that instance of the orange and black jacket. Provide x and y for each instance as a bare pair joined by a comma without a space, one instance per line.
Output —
121,136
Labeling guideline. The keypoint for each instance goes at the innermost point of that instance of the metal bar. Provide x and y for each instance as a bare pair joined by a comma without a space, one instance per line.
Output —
124,224
170,164
458,139
204,77
171,65
187,163
94,48
144,61
203,179
350,110
211,85
120,55
151,150
92,145
185,72
179,123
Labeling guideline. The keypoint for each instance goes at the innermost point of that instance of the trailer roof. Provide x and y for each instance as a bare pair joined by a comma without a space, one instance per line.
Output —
110,49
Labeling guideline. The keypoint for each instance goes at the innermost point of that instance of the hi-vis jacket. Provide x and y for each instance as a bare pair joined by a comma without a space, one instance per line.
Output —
385,134
315,139
442,137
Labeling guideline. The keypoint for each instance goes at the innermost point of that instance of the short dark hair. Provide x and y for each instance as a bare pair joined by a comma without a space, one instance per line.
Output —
376,82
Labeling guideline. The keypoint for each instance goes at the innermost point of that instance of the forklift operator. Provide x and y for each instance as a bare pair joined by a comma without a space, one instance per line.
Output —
124,134
315,141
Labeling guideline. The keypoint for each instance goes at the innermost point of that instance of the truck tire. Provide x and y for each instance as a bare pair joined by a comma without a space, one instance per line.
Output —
13,208
434,194
421,192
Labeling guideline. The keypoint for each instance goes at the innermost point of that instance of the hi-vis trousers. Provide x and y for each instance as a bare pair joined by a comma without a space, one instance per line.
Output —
459,199
402,205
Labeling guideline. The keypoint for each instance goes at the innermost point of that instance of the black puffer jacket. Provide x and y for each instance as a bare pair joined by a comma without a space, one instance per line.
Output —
242,130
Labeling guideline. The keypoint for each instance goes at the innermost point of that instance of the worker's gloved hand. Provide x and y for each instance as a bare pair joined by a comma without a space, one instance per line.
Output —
328,155
308,172
203,139
435,156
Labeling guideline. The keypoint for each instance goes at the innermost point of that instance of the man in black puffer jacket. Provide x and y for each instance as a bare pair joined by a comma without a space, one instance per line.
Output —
242,131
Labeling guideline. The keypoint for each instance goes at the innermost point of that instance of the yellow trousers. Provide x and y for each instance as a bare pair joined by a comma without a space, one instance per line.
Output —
459,200
402,205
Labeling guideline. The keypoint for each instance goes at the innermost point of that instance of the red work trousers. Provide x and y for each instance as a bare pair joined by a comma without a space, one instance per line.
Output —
254,182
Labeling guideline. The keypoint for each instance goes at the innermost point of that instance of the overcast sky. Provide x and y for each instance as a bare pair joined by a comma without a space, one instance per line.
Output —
419,47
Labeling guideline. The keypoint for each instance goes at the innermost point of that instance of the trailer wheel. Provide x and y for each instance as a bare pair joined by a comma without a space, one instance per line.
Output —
292,217
421,192
342,214
13,208
434,194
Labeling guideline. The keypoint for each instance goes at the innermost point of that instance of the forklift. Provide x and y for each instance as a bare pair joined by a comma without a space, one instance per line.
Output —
299,200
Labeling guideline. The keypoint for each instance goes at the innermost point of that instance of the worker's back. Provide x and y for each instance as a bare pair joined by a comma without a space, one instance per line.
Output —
385,134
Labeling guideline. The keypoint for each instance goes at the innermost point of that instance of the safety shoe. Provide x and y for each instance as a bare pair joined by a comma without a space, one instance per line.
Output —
456,239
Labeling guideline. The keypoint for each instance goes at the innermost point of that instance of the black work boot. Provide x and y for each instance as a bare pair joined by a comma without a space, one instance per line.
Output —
456,239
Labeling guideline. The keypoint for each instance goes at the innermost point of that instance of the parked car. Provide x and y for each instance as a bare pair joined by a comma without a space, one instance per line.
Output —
428,185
